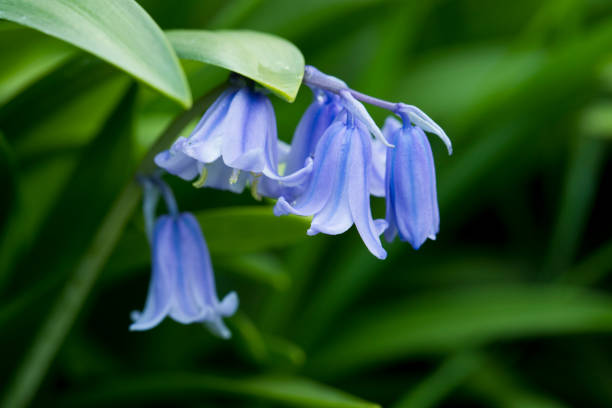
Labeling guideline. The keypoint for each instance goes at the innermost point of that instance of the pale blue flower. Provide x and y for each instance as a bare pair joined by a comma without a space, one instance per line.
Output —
337,194
182,284
234,145
410,183
240,128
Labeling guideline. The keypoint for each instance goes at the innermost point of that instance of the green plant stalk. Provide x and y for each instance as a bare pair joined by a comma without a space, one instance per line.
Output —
54,330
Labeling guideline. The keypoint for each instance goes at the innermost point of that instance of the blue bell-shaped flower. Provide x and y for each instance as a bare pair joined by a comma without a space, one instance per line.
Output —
410,184
182,284
338,192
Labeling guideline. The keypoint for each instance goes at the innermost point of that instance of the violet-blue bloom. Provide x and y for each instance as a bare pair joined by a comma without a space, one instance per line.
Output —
182,283
410,184
234,144
240,128
337,194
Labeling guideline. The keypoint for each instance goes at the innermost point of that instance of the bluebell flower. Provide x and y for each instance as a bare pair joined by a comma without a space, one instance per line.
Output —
410,180
234,144
337,194
240,128
182,284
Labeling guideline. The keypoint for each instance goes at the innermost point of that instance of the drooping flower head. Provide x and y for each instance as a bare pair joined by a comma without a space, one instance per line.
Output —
182,284
240,128
234,144
337,195
410,182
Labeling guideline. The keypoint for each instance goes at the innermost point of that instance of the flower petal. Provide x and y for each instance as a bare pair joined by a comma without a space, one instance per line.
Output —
358,191
335,217
379,157
228,305
414,185
175,162
317,118
193,272
420,119
251,143
377,173
359,111
218,176
321,182
204,143
161,286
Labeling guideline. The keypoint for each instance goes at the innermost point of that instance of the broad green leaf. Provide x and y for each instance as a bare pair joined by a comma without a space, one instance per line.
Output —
36,55
271,61
443,322
286,390
118,31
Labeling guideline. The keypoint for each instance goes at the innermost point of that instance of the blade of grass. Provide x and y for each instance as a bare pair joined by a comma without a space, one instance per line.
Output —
440,322
285,390
580,188
433,389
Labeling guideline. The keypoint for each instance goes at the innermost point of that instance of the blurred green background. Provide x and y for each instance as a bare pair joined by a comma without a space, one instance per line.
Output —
509,307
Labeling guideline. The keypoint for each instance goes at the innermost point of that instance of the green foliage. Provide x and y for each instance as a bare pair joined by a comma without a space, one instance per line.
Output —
510,307
291,391
269,60
117,31
442,322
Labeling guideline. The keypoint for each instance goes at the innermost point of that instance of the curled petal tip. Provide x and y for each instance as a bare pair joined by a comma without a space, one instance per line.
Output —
381,225
420,119
218,328
357,109
312,232
381,254
229,304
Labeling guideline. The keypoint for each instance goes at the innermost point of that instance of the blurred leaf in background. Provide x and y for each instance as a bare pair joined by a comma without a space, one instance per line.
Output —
510,307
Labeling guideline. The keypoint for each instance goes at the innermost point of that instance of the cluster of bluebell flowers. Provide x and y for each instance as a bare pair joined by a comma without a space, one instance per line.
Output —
337,159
